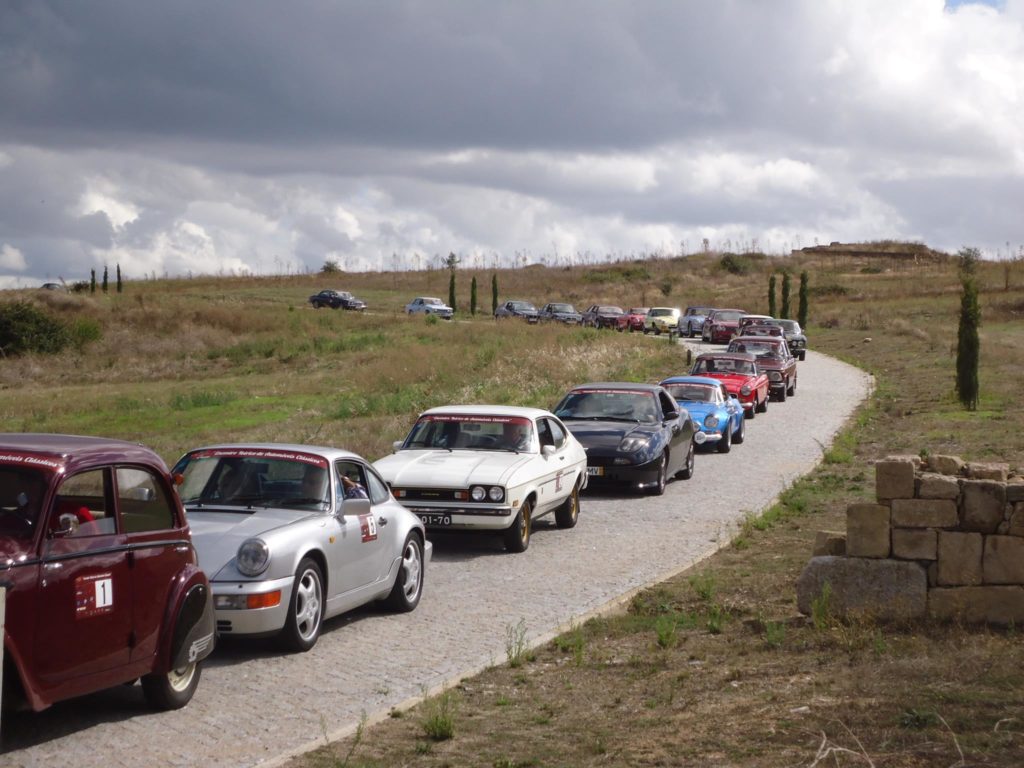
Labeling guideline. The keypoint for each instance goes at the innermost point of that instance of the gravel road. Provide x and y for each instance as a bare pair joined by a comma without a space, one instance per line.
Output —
255,706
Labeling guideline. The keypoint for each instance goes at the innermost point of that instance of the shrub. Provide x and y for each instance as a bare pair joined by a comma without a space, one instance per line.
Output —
330,267
736,264
84,330
24,328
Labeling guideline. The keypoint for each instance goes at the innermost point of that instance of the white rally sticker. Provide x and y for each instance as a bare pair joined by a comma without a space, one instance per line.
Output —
94,595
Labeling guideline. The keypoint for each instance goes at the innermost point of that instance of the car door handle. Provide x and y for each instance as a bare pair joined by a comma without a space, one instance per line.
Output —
382,520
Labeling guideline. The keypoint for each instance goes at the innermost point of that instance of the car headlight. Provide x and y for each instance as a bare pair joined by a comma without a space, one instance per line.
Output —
478,493
632,444
496,493
253,557
711,421
745,390
774,376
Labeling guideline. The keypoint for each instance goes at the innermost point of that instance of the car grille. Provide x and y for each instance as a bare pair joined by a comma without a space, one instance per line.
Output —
431,494
223,626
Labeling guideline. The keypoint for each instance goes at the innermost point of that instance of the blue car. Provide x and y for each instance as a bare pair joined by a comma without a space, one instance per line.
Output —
692,321
717,414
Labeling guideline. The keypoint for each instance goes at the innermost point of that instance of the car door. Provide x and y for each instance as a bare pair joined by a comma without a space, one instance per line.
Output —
677,436
85,598
555,472
358,550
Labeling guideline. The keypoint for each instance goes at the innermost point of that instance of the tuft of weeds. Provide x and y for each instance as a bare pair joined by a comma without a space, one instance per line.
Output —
716,619
516,650
774,634
666,629
704,584
821,609
918,720
439,717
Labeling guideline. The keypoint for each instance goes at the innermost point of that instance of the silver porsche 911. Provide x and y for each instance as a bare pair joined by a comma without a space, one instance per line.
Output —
290,535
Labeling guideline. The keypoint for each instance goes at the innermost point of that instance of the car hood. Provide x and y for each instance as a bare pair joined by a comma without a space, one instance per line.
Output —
699,411
607,434
449,469
217,535
14,551
733,381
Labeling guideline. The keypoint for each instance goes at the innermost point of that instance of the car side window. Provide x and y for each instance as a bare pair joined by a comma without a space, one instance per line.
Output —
81,507
143,502
379,492
557,433
667,404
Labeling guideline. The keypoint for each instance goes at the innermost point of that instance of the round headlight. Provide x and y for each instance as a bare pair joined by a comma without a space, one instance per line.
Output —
774,375
496,493
253,557
478,493
711,421
745,390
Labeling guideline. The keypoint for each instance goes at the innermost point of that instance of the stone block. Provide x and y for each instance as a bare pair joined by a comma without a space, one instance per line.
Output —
977,470
982,505
959,557
945,465
974,605
911,457
867,530
1015,490
1003,560
880,589
931,485
1017,520
924,513
829,543
894,480
915,543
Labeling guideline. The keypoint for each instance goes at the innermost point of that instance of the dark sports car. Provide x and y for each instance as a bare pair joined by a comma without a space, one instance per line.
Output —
605,316
563,313
336,300
521,309
635,435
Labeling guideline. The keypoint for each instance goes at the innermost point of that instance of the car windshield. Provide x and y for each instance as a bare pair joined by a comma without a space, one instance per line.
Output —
431,302
724,365
761,349
790,326
610,310
561,308
469,432
523,305
638,310
246,478
692,393
698,310
22,490
660,312
728,317
609,405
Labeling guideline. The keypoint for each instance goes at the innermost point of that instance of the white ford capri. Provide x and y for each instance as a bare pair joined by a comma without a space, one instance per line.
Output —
488,468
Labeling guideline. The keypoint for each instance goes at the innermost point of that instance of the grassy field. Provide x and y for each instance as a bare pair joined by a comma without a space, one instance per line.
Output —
712,668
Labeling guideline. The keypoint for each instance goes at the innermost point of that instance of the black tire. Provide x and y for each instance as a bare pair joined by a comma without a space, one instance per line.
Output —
763,406
657,331
725,444
782,395
659,486
173,689
687,471
517,535
305,609
752,413
405,595
738,439
803,355
317,305
567,514
792,387
689,331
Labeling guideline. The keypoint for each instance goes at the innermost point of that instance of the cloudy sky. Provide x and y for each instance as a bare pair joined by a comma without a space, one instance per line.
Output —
267,137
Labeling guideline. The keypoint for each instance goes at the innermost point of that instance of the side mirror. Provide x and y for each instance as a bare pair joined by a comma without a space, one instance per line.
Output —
670,415
547,450
354,507
397,445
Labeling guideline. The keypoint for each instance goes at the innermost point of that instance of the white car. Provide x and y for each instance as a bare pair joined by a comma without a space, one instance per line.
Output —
488,468
290,535
429,305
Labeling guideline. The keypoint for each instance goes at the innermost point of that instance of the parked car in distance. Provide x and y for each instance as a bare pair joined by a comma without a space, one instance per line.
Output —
488,468
720,325
635,435
428,305
662,320
692,321
635,318
521,309
717,414
605,316
290,535
773,358
52,287
741,376
795,337
563,313
103,587
336,300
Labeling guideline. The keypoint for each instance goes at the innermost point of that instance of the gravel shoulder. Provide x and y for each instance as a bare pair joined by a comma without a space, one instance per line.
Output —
256,706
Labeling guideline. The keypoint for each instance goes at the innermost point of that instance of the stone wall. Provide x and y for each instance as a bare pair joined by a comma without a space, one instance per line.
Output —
944,539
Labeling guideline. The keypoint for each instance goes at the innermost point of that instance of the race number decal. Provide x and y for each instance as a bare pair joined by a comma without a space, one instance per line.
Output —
558,481
368,528
94,595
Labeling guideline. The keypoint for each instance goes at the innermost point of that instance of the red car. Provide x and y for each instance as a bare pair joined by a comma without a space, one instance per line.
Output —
741,376
103,586
721,325
635,318
774,358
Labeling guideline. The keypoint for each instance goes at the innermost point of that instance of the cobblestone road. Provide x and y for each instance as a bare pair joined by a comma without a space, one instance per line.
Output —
255,706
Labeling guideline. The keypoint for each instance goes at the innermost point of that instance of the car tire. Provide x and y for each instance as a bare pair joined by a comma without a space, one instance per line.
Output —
569,512
305,608
803,356
687,471
752,413
645,330
659,486
725,444
792,387
172,689
782,395
317,305
738,439
517,536
763,406
405,594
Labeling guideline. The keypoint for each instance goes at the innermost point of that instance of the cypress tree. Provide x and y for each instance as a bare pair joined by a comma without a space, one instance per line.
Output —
105,281
92,280
120,285
801,313
472,296
968,347
494,293
451,290
785,296
771,296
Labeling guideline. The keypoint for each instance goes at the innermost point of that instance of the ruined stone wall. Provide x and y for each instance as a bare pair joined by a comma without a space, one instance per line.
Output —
944,539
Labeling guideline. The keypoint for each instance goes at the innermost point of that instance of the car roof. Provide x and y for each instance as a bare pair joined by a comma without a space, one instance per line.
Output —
488,410
327,452
729,309
73,450
704,380
619,385
758,339
670,309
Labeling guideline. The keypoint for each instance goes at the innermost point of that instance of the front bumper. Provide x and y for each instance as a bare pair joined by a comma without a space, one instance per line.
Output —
251,621
702,438
601,471
457,517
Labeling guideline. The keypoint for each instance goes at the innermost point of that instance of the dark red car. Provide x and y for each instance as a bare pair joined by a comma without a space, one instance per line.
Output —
635,317
605,316
741,376
721,325
774,358
102,582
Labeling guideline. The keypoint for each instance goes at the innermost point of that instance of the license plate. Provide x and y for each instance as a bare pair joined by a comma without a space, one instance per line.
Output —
595,471
435,519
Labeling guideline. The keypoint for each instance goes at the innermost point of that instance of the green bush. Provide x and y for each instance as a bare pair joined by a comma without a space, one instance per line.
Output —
24,328
736,264
84,330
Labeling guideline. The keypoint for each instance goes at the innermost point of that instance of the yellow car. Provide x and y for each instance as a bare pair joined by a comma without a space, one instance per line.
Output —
662,320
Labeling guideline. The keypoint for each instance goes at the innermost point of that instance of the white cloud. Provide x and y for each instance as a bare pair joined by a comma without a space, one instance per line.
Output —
12,258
